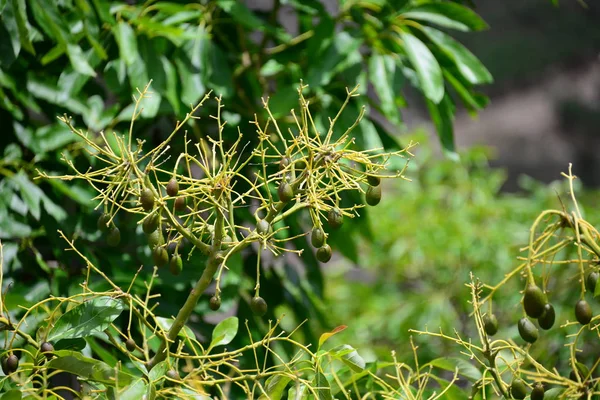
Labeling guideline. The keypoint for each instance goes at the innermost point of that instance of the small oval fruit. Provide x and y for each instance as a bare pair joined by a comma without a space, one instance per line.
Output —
373,195
172,374
534,300
490,324
285,192
176,265
335,218
527,330
283,163
214,303
114,237
373,180
102,222
130,345
263,227
324,253
150,224
172,187
4,368
538,392
156,238
583,312
180,203
258,305
591,281
160,256
12,363
47,349
317,237
147,199
226,242
518,389
546,320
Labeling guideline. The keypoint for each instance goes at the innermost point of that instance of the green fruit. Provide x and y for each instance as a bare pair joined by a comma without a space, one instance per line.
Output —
518,389
300,165
160,256
373,195
172,187
114,237
317,237
214,303
102,222
47,349
583,312
527,330
226,242
490,324
4,368
591,281
285,161
258,305
172,374
324,253
534,301
130,345
180,204
373,180
546,320
285,192
155,239
176,265
12,363
335,219
538,392
151,223
263,227
147,199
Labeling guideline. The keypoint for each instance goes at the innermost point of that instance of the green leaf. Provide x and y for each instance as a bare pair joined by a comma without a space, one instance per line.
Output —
325,336
274,387
554,394
126,40
468,65
20,11
381,74
165,324
336,56
158,371
30,193
349,356
87,318
448,15
298,392
224,332
241,14
79,60
426,66
442,115
322,387
470,100
135,391
219,76
171,91
464,367
12,395
76,344
88,368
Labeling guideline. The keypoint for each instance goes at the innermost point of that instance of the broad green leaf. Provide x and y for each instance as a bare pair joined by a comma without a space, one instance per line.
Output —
465,368
101,352
224,332
381,76
468,65
426,66
126,40
448,15
79,60
322,387
554,394
470,100
171,90
89,317
9,20
327,335
298,392
275,386
12,395
219,76
20,13
75,344
135,391
88,368
349,356
442,115
240,13
158,371
165,324
30,193
336,56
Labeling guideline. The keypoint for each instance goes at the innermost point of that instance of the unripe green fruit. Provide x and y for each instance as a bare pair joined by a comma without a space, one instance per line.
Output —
518,389
373,195
180,204
299,165
147,199
214,303
4,368
527,330
114,237
335,219
12,363
160,256
373,180
151,223
285,161
534,301
155,239
258,305
172,187
102,222
226,242
172,374
47,349
490,324
130,345
546,320
285,192
263,227
317,237
538,392
591,281
324,253
176,265
583,312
